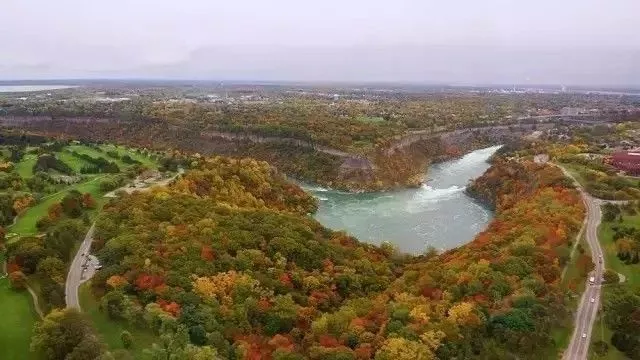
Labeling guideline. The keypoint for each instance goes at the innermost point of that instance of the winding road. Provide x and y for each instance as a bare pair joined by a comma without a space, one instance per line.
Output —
75,276
590,301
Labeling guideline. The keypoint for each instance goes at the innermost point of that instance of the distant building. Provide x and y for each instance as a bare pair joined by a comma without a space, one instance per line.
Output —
629,162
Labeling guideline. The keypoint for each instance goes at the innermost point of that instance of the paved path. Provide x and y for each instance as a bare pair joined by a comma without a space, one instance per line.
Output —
590,301
36,305
77,274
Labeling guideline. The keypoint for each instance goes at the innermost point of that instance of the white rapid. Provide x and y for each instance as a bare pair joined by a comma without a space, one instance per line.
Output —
437,214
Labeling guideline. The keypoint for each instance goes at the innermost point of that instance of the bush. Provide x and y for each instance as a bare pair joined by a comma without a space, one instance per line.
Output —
611,277
601,348
127,339
18,280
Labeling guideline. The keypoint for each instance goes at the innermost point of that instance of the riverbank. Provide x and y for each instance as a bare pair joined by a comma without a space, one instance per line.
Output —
392,164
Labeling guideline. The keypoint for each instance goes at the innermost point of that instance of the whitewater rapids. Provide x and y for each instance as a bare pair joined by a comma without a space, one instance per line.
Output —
437,214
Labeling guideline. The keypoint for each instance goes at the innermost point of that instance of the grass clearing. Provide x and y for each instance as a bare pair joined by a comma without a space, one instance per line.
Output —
605,235
73,161
122,150
111,330
18,319
24,167
632,274
370,119
602,332
87,150
576,171
26,224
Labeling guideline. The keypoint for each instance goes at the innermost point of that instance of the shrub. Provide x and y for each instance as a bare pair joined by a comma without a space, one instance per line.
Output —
18,280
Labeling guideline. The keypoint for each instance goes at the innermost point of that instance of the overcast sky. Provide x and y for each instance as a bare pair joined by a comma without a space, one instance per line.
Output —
455,41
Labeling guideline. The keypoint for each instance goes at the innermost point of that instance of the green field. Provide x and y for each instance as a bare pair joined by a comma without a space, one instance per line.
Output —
110,330
26,224
602,332
121,150
24,168
73,161
631,272
605,235
370,119
18,319
83,149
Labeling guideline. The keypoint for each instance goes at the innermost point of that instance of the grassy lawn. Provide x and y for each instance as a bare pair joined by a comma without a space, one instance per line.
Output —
122,150
73,161
18,318
605,235
576,171
370,119
602,332
26,224
111,330
83,149
575,282
24,168
631,272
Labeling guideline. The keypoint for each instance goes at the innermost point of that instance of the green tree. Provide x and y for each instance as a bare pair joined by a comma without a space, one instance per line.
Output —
66,334
127,339
53,268
62,238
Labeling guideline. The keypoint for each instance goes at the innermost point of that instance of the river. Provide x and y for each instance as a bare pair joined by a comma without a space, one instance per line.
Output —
437,214
31,88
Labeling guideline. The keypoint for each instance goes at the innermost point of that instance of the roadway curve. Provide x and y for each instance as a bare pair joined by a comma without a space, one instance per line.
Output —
74,277
587,311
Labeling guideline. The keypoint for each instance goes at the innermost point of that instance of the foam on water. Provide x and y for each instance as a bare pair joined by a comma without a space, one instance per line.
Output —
439,213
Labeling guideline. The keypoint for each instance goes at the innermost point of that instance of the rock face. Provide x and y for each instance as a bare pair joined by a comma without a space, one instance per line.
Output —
401,164
491,133
357,163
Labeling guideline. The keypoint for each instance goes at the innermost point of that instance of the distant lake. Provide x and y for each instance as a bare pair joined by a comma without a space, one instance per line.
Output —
31,88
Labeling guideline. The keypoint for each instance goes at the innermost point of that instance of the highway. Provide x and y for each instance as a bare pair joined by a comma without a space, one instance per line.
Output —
590,301
77,274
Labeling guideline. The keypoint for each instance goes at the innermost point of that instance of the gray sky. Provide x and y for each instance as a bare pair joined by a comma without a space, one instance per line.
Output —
456,41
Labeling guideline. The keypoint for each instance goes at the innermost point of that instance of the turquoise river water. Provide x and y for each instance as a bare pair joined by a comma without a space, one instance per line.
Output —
437,214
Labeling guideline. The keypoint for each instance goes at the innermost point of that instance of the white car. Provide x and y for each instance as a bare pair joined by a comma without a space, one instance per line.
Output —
592,300
584,335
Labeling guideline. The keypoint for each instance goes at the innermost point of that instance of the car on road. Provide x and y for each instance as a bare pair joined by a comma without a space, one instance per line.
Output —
584,335
98,267
592,279
592,300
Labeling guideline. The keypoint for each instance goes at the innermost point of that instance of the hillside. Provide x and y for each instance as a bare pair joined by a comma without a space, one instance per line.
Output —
228,256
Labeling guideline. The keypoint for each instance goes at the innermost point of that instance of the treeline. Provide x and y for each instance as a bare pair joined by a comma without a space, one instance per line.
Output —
98,164
621,309
49,161
626,235
602,180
